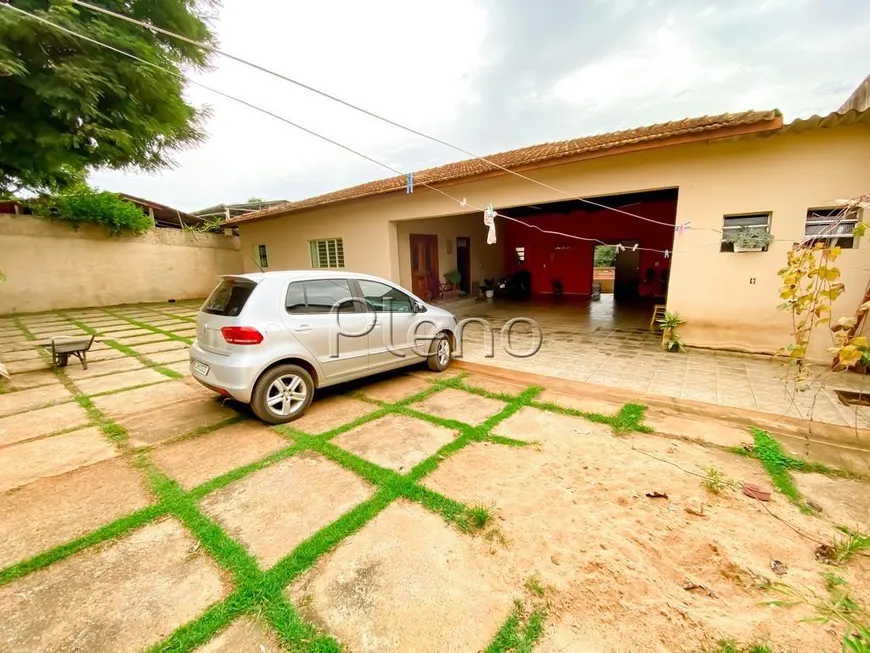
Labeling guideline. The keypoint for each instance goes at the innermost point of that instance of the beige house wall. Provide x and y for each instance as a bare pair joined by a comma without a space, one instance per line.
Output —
50,266
486,260
784,173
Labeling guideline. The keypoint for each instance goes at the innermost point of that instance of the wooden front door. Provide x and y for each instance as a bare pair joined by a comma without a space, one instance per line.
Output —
424,266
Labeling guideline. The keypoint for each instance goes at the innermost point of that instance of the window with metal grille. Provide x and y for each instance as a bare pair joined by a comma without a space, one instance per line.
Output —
733,223
262,258
328,253
831,227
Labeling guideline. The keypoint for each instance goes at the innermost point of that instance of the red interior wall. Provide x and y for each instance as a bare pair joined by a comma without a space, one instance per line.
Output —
574,265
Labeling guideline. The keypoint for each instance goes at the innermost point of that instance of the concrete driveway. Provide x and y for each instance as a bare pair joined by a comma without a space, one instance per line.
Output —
416,512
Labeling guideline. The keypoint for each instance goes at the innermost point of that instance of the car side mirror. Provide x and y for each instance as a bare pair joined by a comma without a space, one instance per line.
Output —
419,307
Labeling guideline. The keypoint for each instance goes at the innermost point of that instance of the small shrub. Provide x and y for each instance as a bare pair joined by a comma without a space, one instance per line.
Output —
850,544
87,206
716,482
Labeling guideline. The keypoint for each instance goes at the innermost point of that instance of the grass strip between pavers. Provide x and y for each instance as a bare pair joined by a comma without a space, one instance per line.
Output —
520,631
779,465
127,351
144,325
260,591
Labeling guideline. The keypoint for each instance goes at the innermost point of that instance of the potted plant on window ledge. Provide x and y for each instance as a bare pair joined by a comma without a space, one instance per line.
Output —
749,239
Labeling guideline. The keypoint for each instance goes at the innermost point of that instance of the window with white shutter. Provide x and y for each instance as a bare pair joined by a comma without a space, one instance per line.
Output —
327,253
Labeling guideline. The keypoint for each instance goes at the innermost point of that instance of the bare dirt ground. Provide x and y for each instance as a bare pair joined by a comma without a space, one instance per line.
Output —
413,512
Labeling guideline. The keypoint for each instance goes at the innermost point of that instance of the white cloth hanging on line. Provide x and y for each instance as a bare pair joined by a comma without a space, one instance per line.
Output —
489,221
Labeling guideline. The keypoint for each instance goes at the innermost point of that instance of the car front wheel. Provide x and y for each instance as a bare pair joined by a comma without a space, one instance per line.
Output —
439,353
282,394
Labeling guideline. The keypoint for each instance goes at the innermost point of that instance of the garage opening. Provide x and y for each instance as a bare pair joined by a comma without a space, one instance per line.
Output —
621,244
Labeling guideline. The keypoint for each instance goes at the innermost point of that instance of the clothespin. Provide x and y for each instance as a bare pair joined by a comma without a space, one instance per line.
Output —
680,228
620,247
463,202
667,254
409,188
634,248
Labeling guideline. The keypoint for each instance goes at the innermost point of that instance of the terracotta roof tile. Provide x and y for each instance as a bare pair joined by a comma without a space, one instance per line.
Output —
530,156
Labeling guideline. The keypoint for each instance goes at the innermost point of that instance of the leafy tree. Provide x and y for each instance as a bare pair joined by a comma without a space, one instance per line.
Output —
251,200
605,255
67,106
88,206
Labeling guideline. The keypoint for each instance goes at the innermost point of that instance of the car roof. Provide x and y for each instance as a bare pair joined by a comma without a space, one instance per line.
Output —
303,274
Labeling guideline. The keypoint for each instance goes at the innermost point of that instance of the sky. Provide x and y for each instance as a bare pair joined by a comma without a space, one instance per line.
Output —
488,76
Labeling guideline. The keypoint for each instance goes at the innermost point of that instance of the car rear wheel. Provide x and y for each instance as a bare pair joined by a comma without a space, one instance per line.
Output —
282,394
439,353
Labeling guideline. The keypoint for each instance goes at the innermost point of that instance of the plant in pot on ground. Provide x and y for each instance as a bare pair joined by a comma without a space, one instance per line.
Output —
749,239
668,324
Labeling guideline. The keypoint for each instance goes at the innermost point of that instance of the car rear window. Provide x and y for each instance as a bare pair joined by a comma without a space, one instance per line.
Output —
229,297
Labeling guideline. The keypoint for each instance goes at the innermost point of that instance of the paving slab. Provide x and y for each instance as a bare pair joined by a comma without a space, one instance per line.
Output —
147,428
171,356
576,402
704,430
460,406
427,374
166,345
121,332
492,384
36,423
143,339
406,582
182,367
29,365
24,400
168,323
152,398
534,425
331,412
124,596
101,368
26,462
119,380
396,388
30,353
244,635
52,511
275,509
395,441
27,380
195,461
103,354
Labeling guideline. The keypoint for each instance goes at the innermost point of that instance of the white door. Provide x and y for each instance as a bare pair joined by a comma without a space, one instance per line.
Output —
324,318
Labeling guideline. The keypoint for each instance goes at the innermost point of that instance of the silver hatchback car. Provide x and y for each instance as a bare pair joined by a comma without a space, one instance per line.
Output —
270,339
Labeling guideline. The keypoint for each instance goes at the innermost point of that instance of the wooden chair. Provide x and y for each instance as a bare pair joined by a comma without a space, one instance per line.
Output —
658,314
450,286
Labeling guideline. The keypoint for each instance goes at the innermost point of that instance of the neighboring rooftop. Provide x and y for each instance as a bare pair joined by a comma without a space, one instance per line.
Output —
659,135
229,211
164,216
860,98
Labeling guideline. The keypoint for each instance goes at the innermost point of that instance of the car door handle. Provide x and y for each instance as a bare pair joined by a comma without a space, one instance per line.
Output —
303,328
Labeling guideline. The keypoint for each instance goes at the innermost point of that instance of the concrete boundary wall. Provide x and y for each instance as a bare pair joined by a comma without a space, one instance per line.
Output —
48,265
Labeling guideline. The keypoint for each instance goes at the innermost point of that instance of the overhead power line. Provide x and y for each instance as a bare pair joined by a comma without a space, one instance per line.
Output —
372,114
462,202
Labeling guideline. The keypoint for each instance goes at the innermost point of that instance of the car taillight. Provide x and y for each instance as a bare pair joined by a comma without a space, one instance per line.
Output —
236,335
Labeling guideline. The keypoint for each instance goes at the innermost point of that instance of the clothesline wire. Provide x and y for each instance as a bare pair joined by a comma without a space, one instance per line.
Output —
372,114
461,202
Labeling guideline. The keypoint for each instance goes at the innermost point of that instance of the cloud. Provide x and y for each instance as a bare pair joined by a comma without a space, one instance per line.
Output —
489,76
